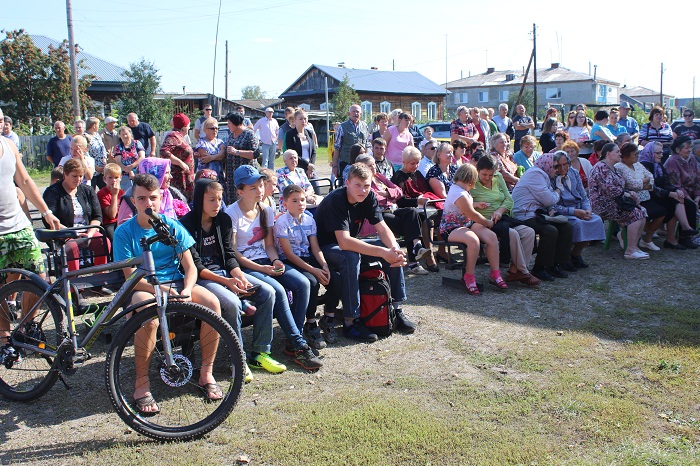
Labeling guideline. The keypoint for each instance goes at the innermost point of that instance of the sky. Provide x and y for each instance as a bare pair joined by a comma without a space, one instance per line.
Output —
272,42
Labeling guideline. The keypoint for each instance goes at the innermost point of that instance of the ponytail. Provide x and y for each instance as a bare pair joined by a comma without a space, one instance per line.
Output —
263,218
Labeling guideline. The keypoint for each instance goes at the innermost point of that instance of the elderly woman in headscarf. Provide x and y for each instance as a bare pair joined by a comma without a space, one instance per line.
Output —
180,154
173,203
532,196
679,208
574,203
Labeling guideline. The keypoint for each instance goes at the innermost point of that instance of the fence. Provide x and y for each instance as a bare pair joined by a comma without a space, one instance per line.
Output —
33,149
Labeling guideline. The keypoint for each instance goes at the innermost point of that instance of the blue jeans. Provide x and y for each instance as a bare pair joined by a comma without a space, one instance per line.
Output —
348,264
291,320
231,308
268,155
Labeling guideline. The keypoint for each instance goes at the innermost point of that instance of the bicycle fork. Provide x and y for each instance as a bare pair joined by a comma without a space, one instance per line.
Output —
162,301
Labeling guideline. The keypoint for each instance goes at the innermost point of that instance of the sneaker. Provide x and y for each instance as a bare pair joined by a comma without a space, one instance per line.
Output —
264,361
248,375
404,325
327,324
419,251
312,333
650,245
358,331
307,359
417,269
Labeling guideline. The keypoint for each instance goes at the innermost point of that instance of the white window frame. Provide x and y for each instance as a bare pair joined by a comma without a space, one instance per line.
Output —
305,107
416,109
503,96
432,111
461,98
552,93
366,107
481,99
385,107
322,106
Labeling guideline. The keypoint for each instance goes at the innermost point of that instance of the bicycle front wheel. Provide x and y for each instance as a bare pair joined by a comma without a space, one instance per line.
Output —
197,336
26,374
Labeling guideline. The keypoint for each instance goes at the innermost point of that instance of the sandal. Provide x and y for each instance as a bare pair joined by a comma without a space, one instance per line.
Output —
473,289
212,391
145,401
499,283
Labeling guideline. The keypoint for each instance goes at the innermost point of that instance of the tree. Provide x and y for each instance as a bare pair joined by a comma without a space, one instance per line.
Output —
36,86
142,84
343,97
252,93
527,99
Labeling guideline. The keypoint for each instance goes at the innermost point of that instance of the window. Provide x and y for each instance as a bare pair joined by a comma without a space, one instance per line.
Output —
483,96
601,93
323,106
366,109
553,93
503,96
461,98
305,107
385,107
416,109
432,111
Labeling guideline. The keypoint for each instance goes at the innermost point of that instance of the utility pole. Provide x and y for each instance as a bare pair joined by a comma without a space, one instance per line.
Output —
73,67
226,77
534,66
661,91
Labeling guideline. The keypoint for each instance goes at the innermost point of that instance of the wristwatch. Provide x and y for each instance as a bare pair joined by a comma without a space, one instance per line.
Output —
44,214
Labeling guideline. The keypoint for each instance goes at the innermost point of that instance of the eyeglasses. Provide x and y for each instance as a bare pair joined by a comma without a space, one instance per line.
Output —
207,110
214,128
687,115
431,148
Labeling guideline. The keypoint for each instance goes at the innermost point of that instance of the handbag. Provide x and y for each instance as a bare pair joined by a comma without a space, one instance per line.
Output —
625,203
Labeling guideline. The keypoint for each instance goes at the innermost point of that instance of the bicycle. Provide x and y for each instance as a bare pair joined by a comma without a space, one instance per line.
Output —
43,345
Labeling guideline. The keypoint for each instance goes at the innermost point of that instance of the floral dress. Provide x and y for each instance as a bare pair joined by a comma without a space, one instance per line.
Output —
244,141
446,179
175,145
604,186
452,215
212,148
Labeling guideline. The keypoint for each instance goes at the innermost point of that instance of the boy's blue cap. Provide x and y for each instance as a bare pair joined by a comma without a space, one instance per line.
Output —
246,174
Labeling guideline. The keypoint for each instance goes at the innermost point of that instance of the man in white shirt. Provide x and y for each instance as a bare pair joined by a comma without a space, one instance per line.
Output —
8,133
268,129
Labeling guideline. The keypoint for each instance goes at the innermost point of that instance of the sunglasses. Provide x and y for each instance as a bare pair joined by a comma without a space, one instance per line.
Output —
207,110
688,115
431,148
213,128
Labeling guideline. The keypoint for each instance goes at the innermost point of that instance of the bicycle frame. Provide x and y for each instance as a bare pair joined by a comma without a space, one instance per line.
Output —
145,268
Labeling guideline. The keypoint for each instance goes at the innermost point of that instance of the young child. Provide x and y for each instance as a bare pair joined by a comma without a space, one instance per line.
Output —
220,273
57,175
253,239
462,224
270,186
109,198
297,245
168,262
428,133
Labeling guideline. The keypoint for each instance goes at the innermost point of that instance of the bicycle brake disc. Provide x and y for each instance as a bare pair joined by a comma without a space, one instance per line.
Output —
179,376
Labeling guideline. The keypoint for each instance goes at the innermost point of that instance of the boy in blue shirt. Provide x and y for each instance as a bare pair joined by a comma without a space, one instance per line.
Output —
146,194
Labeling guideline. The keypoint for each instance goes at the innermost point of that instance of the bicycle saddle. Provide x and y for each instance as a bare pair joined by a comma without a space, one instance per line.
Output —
44,235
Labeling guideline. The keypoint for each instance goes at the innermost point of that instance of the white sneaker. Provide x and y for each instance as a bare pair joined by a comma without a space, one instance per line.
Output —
638,255
417,270
650,245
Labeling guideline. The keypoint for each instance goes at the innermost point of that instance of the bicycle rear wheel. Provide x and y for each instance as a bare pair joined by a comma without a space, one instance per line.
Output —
28,374
184,412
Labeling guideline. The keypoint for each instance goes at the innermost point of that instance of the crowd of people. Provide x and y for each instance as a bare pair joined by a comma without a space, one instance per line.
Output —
252,257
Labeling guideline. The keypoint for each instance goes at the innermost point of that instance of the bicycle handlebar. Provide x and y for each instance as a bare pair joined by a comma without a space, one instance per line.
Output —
162,230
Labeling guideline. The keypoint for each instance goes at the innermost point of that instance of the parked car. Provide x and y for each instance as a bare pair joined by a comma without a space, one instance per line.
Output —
441,130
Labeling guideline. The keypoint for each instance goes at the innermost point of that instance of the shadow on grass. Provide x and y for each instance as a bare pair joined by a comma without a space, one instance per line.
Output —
56,452
652,301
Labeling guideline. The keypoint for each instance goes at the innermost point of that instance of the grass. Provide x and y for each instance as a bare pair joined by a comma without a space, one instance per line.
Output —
42,178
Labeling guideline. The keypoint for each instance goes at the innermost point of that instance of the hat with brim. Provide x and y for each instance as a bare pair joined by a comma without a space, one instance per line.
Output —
625,105
246,174
110,119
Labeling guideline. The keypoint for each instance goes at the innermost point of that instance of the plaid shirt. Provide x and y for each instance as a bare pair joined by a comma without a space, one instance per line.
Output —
463,129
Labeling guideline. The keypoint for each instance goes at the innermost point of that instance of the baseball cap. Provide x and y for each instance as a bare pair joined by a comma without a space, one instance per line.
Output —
246,174
625,105
110,119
